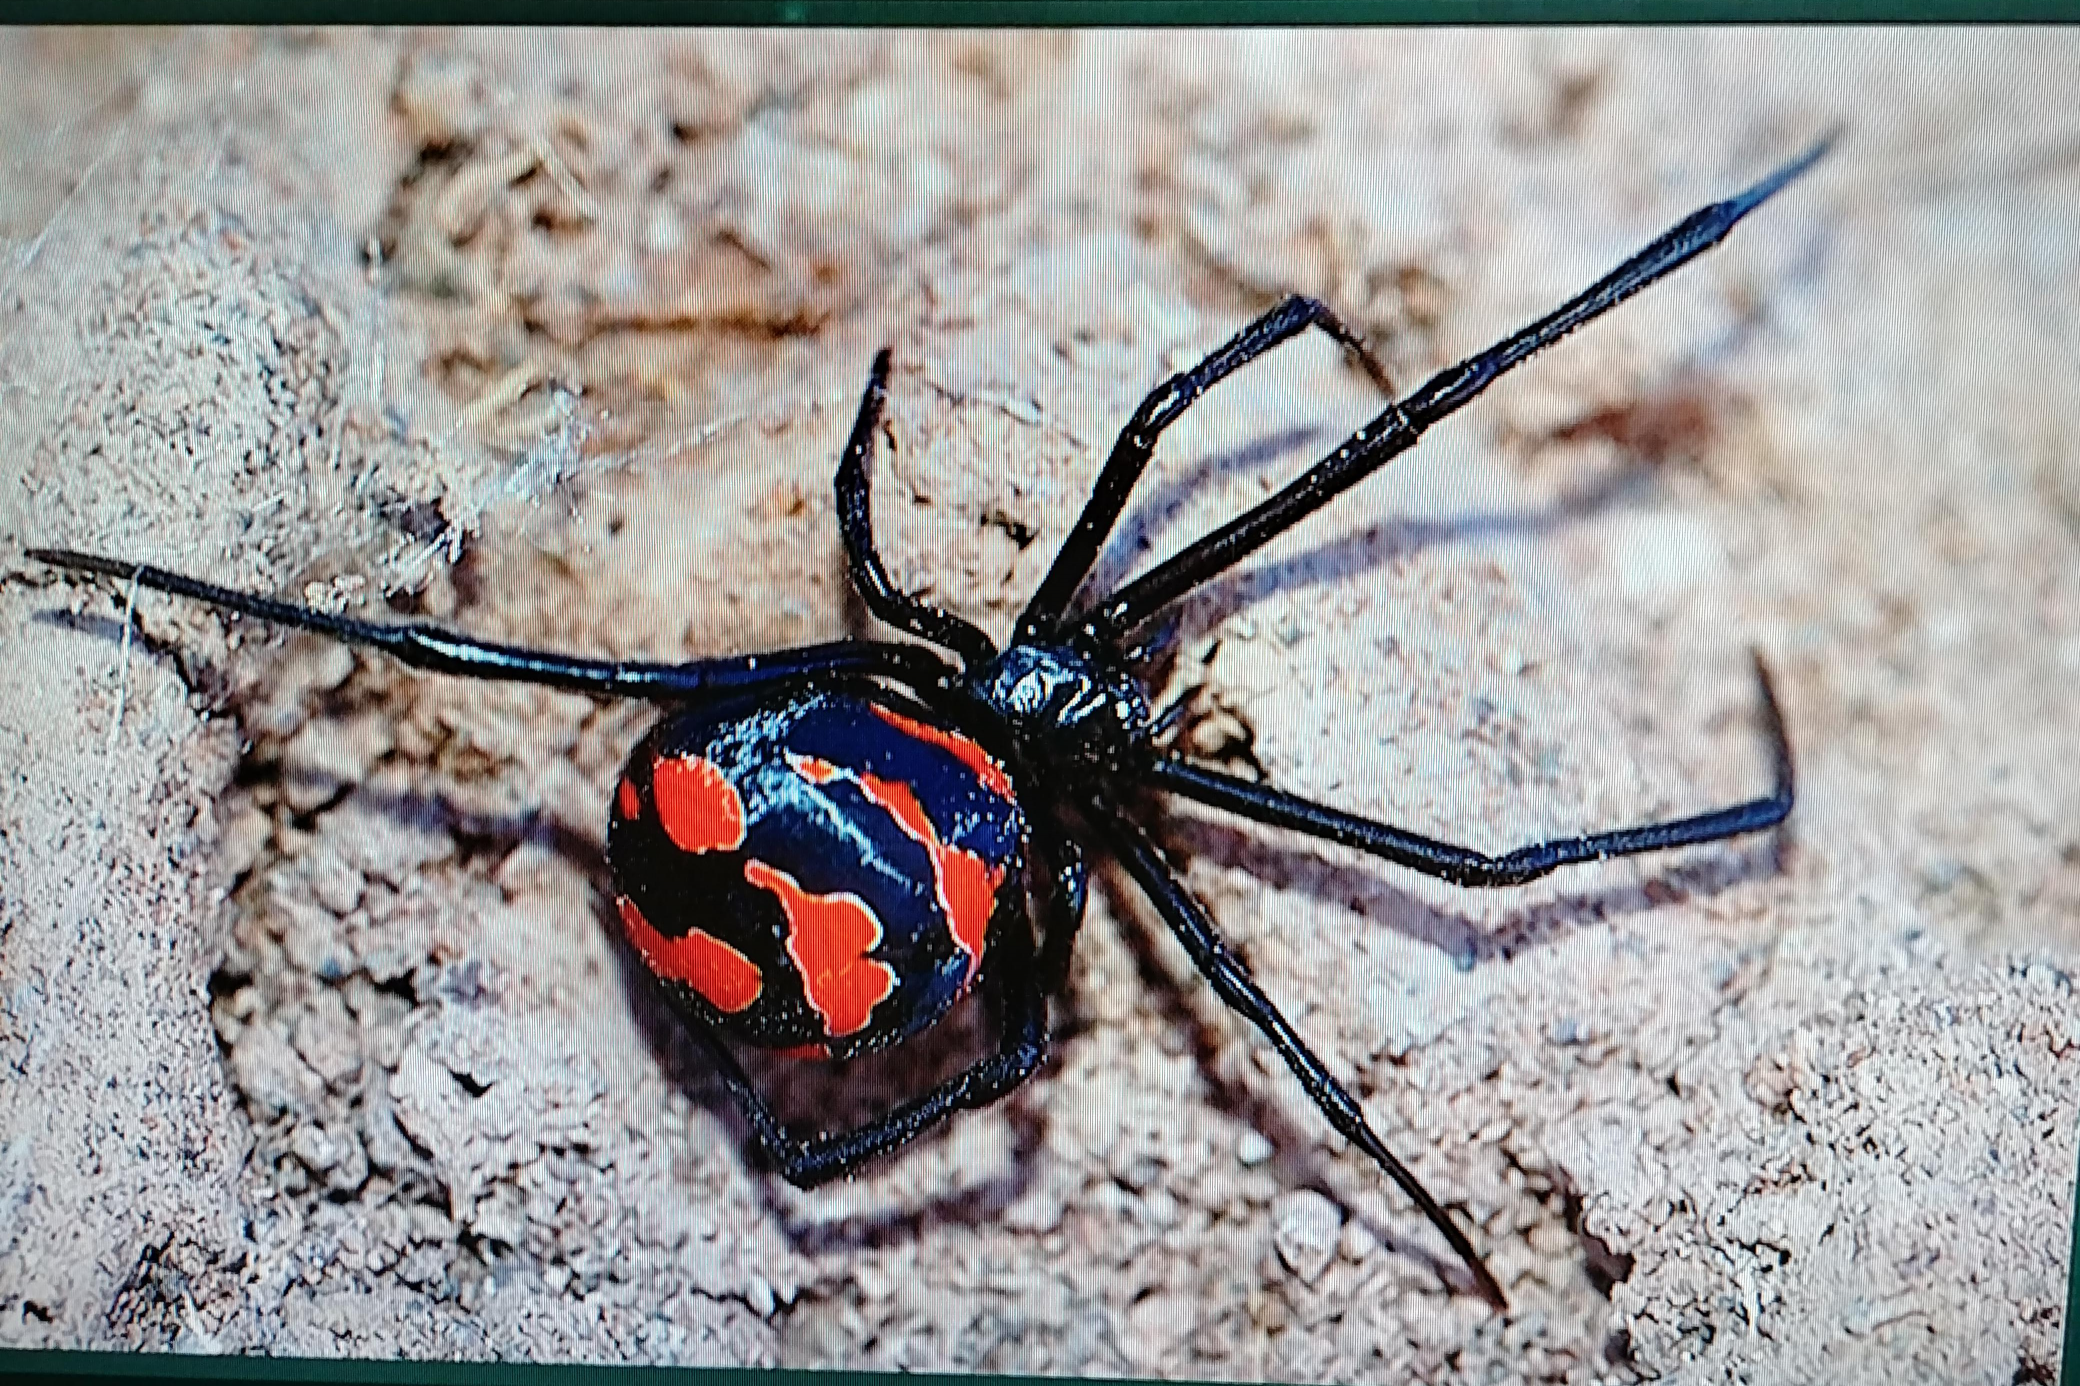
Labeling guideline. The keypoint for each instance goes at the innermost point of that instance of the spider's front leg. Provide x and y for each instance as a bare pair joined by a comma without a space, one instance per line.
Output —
1403,423
1136,444
435,650
854,487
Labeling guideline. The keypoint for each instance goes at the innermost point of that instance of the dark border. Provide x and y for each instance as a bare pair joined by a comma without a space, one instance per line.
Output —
1042,13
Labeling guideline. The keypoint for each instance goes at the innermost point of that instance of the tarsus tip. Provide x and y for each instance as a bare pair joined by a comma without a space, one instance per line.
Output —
1786,173
72,558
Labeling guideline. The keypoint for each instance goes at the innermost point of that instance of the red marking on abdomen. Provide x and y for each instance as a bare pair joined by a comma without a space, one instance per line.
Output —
726,978
960,747
967,886
829,936
805,1051
813,770
630,798
697,806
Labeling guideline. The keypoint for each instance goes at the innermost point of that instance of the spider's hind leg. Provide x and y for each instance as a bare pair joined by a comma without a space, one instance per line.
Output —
1464,866
1067,890
1022,1019
1231,981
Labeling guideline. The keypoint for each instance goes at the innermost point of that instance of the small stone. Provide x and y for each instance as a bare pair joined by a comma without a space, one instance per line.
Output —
1039,1210
760,1297
334,884
1161,1207
1155,1326
1253,1149
500,1217
327,757
387,1148
336,1156
1305,1229
309,934
325,1038
317,1149
244,839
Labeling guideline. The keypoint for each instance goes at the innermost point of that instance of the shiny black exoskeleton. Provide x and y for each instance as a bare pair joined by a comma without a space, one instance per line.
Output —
1076,707
821,849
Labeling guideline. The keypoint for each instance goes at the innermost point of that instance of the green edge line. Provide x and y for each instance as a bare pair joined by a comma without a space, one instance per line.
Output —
2069,1365
73,1366
1049,13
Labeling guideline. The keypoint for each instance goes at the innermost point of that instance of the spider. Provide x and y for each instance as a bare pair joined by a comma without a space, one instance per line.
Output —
820,850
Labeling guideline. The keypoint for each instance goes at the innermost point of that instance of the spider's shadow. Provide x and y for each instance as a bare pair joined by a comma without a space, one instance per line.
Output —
1334,560
808,1095
1162,501
803,1093
110,628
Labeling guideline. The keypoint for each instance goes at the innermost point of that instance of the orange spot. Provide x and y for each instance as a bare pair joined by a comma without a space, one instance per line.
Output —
813,770
727,978
968,891
829,936
697,805
967,887
805,1051
631,801
960,747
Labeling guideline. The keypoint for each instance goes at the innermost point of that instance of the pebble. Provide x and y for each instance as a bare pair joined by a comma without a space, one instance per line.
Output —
759,1295
1305,1230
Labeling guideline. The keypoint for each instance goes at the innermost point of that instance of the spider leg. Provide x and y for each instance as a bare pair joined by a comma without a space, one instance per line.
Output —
1022,1018
1462,865
1396,430
1068,889
1231,981
441,651
1137,442
856,522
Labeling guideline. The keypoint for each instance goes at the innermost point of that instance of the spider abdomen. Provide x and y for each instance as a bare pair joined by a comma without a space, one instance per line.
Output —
817,872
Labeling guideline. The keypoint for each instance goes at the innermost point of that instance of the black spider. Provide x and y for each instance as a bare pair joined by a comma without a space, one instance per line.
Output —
990,766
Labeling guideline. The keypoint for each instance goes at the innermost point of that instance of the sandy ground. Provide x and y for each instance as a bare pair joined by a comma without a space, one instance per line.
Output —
318,1037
